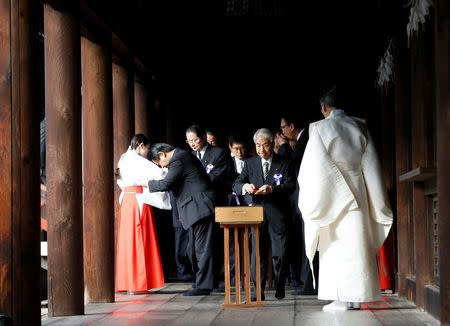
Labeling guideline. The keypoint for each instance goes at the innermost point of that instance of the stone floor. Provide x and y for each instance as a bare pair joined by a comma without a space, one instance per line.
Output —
169,307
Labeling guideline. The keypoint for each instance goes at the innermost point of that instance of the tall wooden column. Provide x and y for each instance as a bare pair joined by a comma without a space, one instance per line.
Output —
62,98
442,72
141,112
123,121
422,155
98,195
405,249
19,173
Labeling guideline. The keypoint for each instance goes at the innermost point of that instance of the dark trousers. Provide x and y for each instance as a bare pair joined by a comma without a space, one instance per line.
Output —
201,252
279,259
184,268
306,274
295,248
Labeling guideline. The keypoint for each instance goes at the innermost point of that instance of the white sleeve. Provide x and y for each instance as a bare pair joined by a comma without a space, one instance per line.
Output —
158,199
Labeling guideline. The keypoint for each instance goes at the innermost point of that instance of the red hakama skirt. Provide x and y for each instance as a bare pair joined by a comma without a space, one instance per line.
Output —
138,260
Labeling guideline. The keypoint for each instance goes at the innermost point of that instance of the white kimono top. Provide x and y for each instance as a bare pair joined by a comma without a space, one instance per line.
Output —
344,205
133,168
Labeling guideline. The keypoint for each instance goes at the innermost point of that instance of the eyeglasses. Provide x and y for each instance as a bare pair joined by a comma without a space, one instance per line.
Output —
282,127
193,141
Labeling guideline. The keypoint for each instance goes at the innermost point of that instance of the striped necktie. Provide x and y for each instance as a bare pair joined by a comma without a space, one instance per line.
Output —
266,170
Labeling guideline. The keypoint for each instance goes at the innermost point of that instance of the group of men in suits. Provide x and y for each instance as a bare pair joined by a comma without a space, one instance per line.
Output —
209,176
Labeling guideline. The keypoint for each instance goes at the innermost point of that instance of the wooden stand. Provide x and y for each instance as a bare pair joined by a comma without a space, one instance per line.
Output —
236,218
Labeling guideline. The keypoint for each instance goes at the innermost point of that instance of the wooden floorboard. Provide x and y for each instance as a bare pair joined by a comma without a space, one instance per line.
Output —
168,307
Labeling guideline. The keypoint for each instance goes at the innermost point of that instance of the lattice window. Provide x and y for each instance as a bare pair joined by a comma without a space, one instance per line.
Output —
237,7
435,240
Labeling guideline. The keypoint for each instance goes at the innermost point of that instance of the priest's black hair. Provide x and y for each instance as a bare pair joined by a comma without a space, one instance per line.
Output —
329,96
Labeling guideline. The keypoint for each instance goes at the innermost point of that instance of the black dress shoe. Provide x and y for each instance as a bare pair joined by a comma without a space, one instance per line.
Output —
304,292
193,292
263,297
194,285
279,293
219,290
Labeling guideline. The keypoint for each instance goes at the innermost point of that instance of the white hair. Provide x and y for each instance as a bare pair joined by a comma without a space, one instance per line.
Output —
264,133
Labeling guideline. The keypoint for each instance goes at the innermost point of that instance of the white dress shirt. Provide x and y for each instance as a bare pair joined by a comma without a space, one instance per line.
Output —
202,151
239,165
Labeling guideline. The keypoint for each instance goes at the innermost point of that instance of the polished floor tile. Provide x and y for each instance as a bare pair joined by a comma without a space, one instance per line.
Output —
168,307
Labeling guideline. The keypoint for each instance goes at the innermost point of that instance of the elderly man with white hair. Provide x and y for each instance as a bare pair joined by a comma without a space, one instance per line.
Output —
269,179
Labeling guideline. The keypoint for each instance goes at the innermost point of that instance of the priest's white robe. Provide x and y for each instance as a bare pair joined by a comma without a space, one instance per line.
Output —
133,169
345,208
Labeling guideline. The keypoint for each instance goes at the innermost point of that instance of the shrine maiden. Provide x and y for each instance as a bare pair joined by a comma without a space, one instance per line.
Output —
138,260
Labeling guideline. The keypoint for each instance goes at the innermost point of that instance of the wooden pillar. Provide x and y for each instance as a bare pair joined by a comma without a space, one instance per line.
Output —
62,99
402,166
98,195
422,155
123,121
19,173
388,164
141,112
442,73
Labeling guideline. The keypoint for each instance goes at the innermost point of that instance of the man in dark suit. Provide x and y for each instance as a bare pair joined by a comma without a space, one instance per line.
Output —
184,267
299,265
215,160
217,164
238,152
270,179
194,197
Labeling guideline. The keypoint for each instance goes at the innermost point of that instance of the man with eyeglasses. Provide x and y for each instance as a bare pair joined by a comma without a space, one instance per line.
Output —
218,166
269,179
291,133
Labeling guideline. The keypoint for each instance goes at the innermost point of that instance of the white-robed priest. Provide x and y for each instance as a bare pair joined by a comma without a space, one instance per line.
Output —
345,207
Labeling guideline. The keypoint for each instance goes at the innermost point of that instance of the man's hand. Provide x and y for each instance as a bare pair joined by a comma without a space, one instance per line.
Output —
280,139
249,187
264,190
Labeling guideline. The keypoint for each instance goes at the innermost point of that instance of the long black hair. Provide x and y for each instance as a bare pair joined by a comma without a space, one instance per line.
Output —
137,140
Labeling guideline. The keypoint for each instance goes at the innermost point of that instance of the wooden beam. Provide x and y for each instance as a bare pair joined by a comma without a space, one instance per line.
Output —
418,174
19,158
62,99
442,73
98,196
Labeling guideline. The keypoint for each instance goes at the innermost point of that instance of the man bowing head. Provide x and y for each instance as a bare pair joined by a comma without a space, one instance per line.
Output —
194,196
269,179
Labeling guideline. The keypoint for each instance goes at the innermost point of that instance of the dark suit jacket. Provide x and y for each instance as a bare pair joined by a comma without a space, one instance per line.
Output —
175,222
295,156
220,173
190,185
244,200
276,204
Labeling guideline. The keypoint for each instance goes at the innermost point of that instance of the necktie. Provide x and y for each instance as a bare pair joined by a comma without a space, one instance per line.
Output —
266,170
199,156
